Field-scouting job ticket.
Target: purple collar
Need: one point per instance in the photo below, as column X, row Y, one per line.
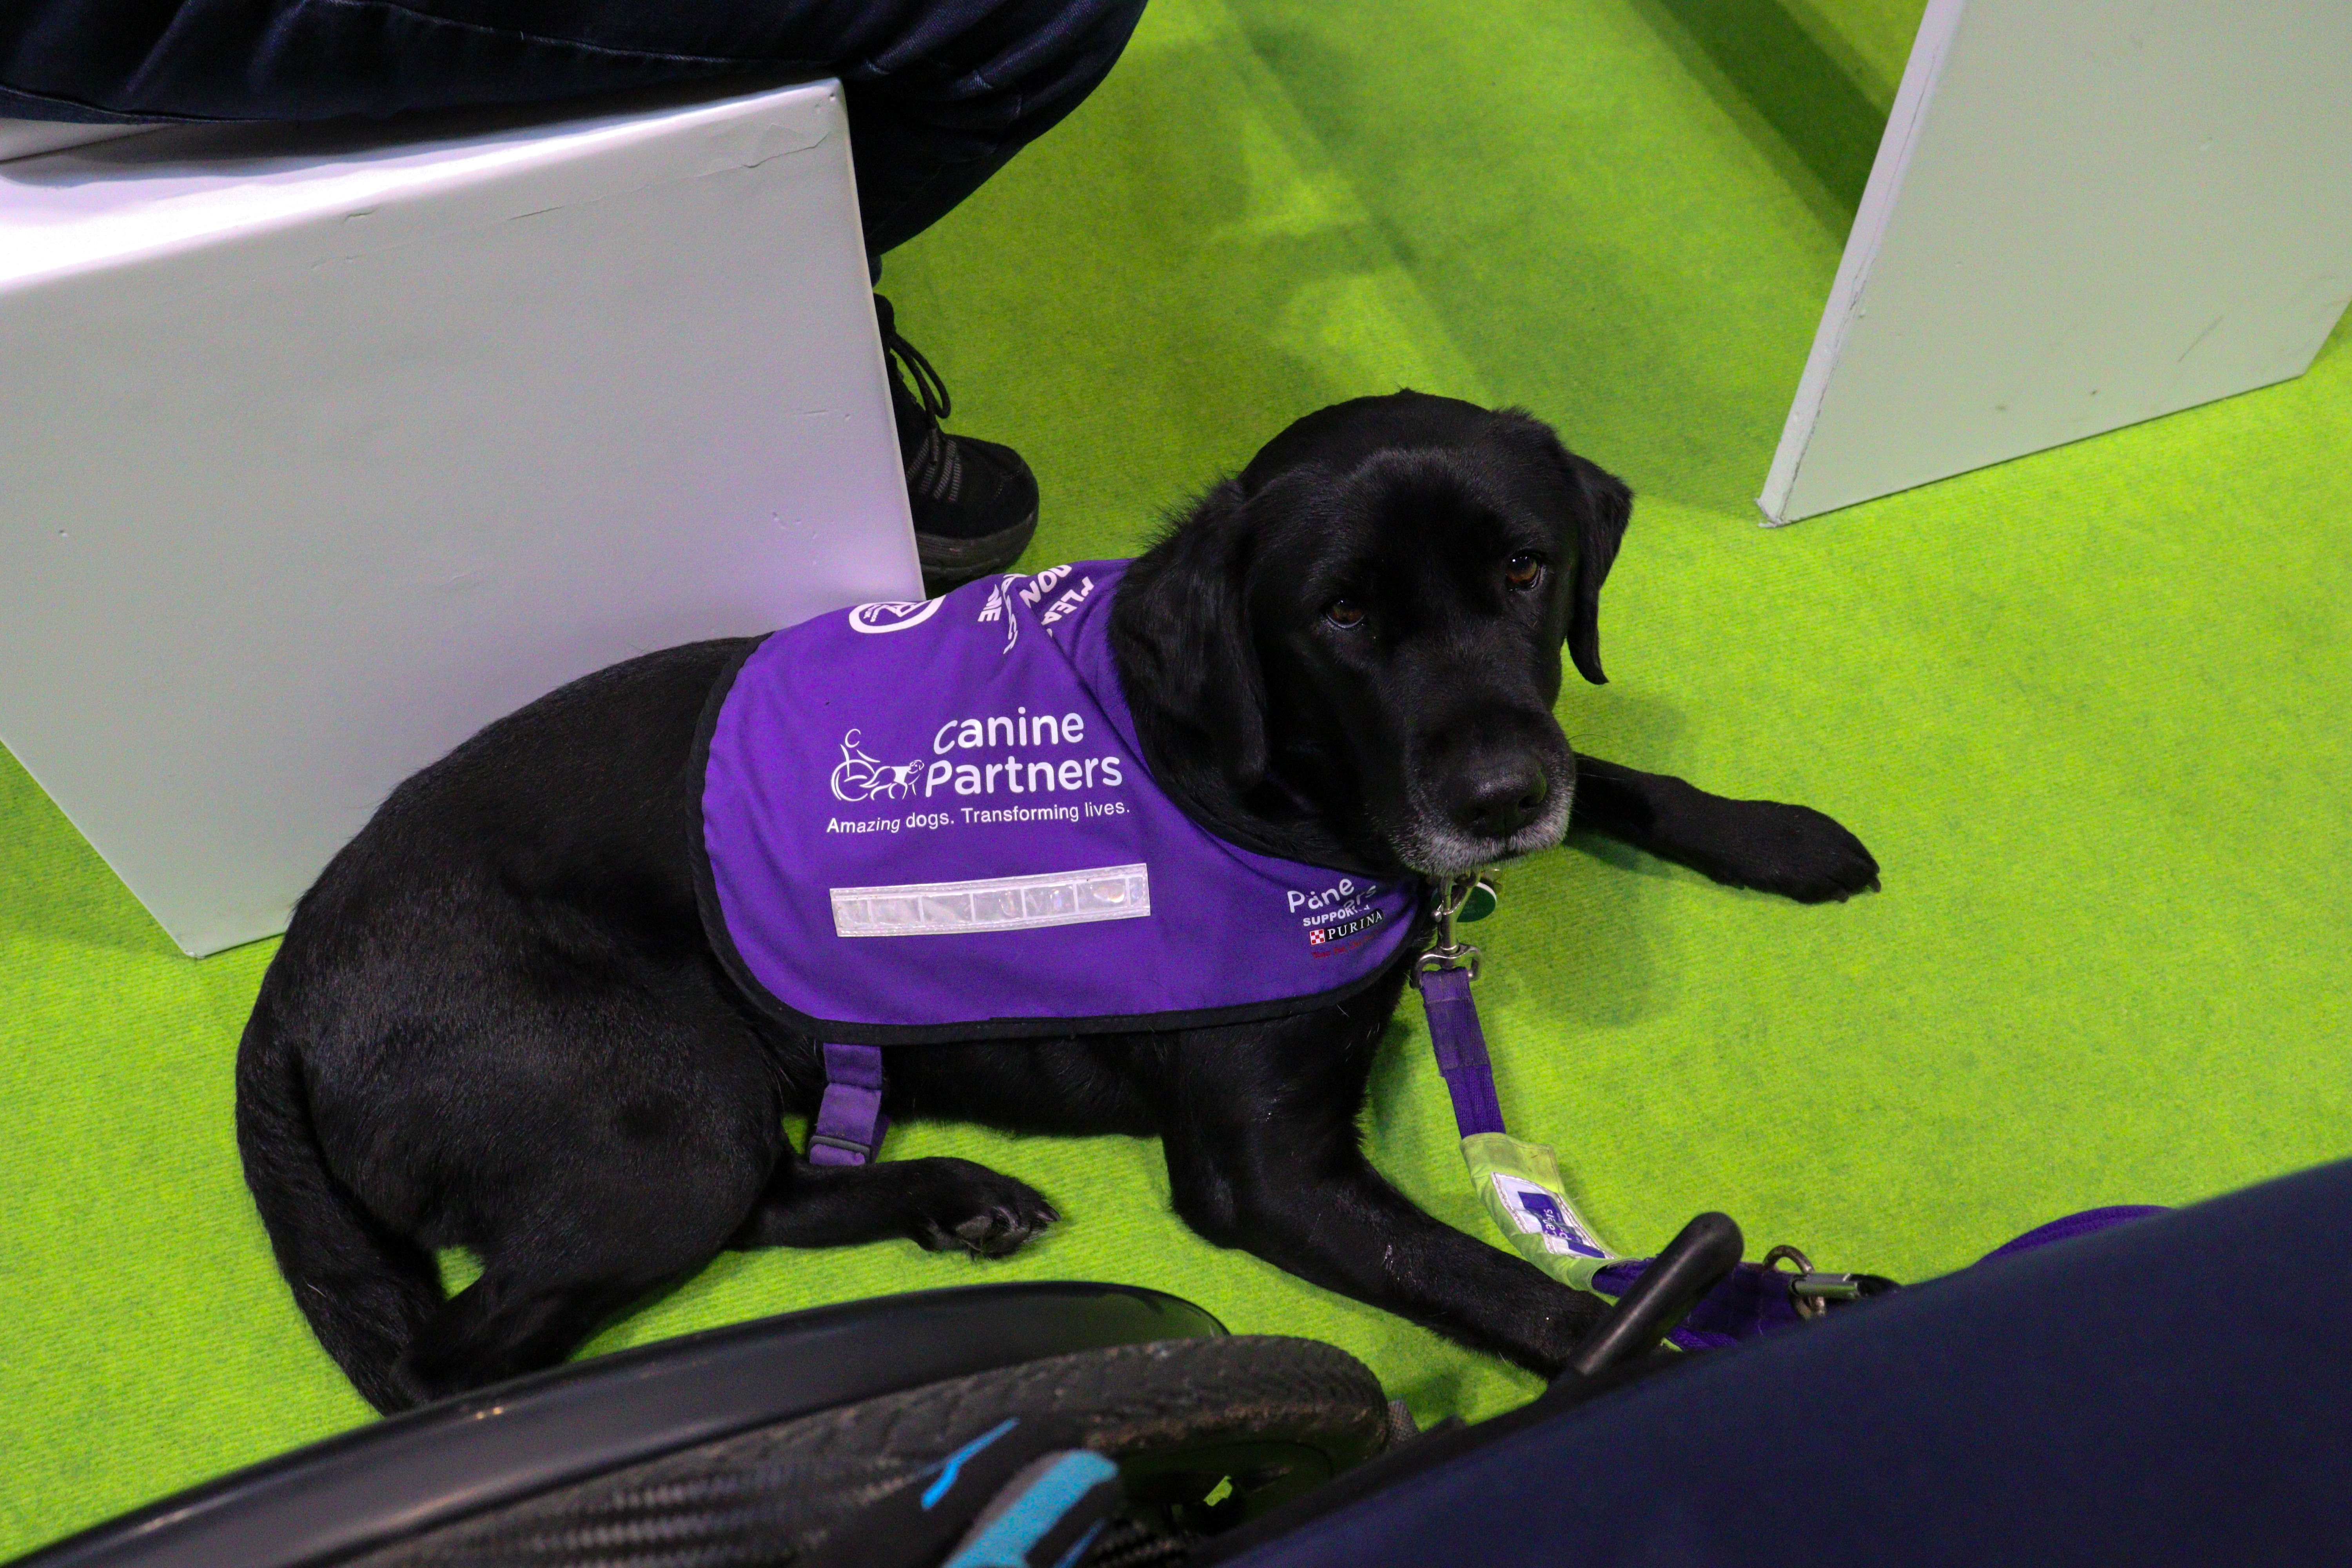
column 930, row 822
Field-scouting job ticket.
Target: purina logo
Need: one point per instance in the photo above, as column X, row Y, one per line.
column 859, row 777
column 892, row 615
column 1333, row 938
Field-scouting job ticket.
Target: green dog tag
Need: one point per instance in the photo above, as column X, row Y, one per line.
column 1479, row 904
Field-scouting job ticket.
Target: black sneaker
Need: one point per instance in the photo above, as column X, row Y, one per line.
column 975, row 502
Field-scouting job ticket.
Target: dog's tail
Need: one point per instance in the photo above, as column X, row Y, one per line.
column 365, row 1289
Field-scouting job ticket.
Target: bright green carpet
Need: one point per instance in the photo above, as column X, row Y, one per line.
column 2085, row 708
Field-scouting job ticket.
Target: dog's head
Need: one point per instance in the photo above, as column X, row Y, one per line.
column 1349, row 652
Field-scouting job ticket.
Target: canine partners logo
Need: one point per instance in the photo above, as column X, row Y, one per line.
column 862, row 778
column 892, row 615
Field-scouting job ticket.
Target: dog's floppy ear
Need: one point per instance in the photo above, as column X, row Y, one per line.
column 1189, row 647
column 1607, row 505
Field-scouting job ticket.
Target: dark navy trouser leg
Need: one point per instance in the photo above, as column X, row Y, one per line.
column 941, row 93
column 2171, row 1391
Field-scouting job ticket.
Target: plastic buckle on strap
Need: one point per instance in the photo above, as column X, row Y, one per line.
column 859, row 1154
column 849, row 1122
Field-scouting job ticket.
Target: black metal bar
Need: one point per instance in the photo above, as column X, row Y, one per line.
column 1698, row 1258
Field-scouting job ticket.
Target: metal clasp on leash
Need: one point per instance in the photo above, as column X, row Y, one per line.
column 1810, row 1292
column 1449, row 950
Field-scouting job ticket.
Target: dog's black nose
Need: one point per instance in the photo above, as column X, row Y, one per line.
column 1501, row 799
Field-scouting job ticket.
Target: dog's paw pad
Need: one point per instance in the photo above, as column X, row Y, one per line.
column 984, row 1213
column 995, row 1233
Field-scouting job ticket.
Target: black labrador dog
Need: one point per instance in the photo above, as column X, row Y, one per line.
column 497, row 1022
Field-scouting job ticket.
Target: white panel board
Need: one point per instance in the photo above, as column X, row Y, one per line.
column 2083, row 214
column 320, row 449
column 28, row 138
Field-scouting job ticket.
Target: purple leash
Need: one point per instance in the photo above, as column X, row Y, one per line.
column 1755, row 1297
column 1461, row 1048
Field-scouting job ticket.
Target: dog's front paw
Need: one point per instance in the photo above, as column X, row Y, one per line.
column 971, row 1206
column 1791, row 850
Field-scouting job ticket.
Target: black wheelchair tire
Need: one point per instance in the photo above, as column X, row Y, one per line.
column 1207, row 1433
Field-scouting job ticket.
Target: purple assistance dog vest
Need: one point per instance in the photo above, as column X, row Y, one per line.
column 930, row 822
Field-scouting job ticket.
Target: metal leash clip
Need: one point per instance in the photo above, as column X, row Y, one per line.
column 1810, row 1292
column 1467, row 891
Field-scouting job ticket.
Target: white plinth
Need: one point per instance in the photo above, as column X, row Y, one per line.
column 320, row 449
column 2082, row 216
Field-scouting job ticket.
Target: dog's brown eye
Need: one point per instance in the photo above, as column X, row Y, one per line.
column 1523, row 571
column 1344, row 613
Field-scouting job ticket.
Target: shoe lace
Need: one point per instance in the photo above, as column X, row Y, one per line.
column 931, row 392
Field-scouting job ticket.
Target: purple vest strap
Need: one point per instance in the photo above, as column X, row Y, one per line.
column 849, row 1120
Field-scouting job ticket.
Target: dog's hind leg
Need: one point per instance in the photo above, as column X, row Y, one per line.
column 503, row 1326
column 577, row 1250
column 939, row 1203
column 593, row 1144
